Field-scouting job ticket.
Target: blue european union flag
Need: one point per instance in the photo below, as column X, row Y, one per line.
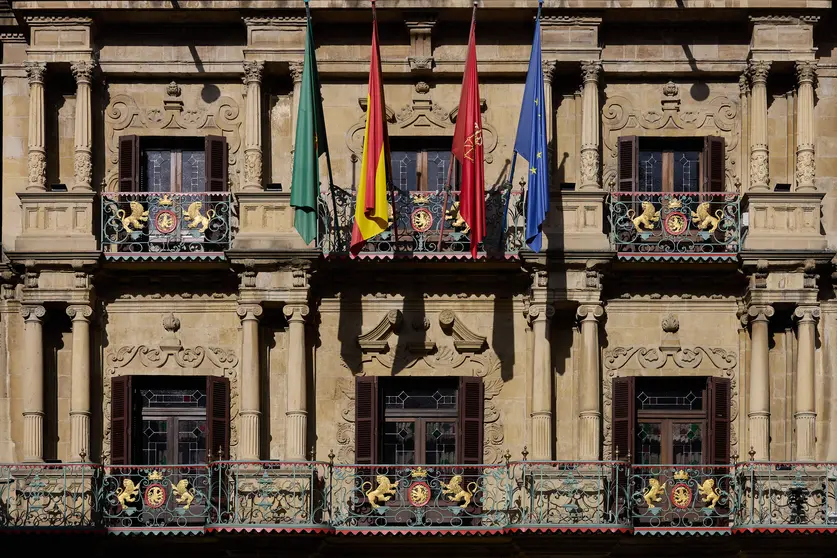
column 531, row 145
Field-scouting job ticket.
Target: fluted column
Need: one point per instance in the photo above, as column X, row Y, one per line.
column 296, row 74
column 539, row 316
column 80, row 382
column 759, row 396
column 250, row 413
column 37, row 148
column 805, row 162
column 759, row 164
column 805, row 415
column 744, row 99
column 33, row 384
column 83, row 158
column 590, row 414
column 590, row 124
column 548, row 74
column 253, row 126
column 296, row 423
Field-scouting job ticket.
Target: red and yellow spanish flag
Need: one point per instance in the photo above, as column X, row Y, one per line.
column 371, row 208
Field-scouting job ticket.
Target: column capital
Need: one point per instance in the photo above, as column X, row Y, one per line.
column 760, row 313
column 83, row 70
column 806, row 72
column 253, row 70
column 548, row 67
column 296, row 69
column 540, row 311
column 759, row 69
column 743, row 84
column 35, row 72
column 33, row 313
column 590, row 71
column 295, row 312
column 589, row 312
column 249, row 311
column 79, row 312
column 807, row 314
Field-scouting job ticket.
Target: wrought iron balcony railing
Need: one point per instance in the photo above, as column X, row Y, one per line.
column 674, row 225
column 424, row 224
column 138, row 225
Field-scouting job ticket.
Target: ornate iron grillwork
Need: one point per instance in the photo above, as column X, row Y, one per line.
column 38, row 496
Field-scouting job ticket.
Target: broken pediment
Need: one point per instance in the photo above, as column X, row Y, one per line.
column 375, row 341
column 464, row 340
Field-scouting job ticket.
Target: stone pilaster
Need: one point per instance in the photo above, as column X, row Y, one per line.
column 253, row 126
column 759, row 164
column 590, row 126
column 759, row 412
column 744, row 99
column 296, row 69
column 80, row 382
column 590, row 413
column 36, row 163
column 33, row 387
column 805, row 414
column 249, row 443
column 805, row 161
column 83, row 158
column 539, row 316
column 296, row 424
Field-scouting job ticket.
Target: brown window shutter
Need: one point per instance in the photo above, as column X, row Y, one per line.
column 471, row 420
column 713, row 162
column 215, row 160
column 129, row 164
column 366, row 420
column 628, row 164
column 624, row 417
column 218, row 417
column 121, row 420
column 719, row 421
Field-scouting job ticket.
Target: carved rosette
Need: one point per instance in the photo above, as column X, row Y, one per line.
column 253, row 70
column 83, row 71
column 35, row 72
column 589, row 165
column 36, row 166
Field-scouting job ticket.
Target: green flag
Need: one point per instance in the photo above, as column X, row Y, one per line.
column 310, row 144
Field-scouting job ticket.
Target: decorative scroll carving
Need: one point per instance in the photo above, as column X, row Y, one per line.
column 464, row 340
column 376, row 339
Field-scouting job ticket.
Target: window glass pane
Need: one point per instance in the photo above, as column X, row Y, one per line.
column 440, row 443
column 404, row 170
column 420, row 398
column 670, row 394
column 648, row 443
column 166, row 398
column 191, row 441
column 400, row 443
column 157, row 171
column 193, row 173
column 686, row 171
column 154, row 442
column 687, row 441
column 650, row 171
column 438, row 163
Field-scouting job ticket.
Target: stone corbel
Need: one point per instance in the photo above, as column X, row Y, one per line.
column 375, row 341
column 464, row 340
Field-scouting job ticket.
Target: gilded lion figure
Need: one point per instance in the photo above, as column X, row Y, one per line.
column 128, row 494
column 133, row 221
column 196, row 220
column 704, row 219
column 183, row 494
column 455, row 493
column 646, row 219
column 710, row 495
column 654, row 492
column 457, row 220
column 382, row 493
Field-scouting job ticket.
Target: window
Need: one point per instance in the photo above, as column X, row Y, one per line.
column 681, row 165
column 672, row 421
column 410, row 421
column 168, row 420
column 184, row 165
column 421, row 168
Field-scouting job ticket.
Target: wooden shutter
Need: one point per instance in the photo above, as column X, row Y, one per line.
column 719, row 424
column 215, row 161
column 121, row 420
column 628, row 164
column 713, row 164
column 470, row 420
column 129, row 164
column 366, row 420
column 624, row 416
column 218, row 417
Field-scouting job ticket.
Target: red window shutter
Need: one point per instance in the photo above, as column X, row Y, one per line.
column 628, row 164
column 624, row 416
column 218, row 417
column 129, row 164
column 471, row 420
column 215, row 161
column 719, row 421
column 714, row 154
column 121, row 420
column 366, row 420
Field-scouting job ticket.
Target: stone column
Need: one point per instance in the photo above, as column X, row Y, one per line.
column 805, row 162
column 759, row 414
column 296, row 424
column 250, row 383
column 548, row 74
column 296, row 73
column 590, row 414
column 590, row 124
column 539, row 316
column 759, row 167
column 83, row 159
column 253, row 126
column 80, row 382
column 33, row 384
column 805, row 415
column 37, row 148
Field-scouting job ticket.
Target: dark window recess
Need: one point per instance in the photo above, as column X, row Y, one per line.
column 422, row 167
column 185, row 165
column 679, row 165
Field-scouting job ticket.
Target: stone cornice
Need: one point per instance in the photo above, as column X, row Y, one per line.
column 58, row 20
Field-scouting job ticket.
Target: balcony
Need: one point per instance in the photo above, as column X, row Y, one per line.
column 666, row 226
column 426, row 225
column 160, row 225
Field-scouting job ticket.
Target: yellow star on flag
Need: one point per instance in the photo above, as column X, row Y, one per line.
column 539, row 154
column 534, row 170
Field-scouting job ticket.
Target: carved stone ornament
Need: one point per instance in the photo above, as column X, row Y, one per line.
column 590, row 71
column 35, row 72
column 375, row 340
column 422, row 88
column 464, row 340
column 253, row 70
column 36, row 167
column 806, row 166
column 670, row 324
column 83, row 168
column 759, row 70
column 759, row 170
column 83, row 70
column 253, row 166
column 296, row 69
column 173, row 90
column 171, row 323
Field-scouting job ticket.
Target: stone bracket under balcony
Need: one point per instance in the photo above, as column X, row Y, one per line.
column 56, row 222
